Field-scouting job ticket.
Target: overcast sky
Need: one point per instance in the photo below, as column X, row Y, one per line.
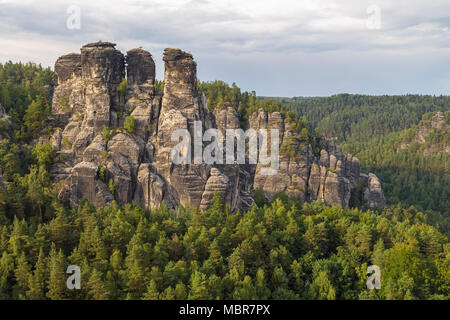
column 276, row 47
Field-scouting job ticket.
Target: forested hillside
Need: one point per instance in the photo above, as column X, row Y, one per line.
column 25, row 94
column 280, row 251
column 374, row 128
column 285, row 249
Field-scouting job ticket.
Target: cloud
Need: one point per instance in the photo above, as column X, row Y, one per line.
column 222, row 32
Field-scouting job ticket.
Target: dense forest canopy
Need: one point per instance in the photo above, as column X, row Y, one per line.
column 373, row 128
column 279, row 251
column 285, row 249
column 25, row 94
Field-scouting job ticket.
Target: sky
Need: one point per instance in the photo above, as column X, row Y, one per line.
column 277, row 48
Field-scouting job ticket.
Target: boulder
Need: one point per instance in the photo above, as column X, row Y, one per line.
column 373, row 193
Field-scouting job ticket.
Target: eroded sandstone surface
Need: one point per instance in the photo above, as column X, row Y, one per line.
column 136, row 166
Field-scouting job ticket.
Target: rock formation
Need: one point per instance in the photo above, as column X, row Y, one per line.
column 436, row 125
column 100, row 160
column 329, row 176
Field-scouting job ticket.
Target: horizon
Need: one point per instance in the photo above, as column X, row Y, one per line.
column 306, row 48
column 275, row 96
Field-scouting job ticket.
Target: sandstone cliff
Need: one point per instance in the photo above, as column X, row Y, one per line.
column 100, row 160
column 437, row 126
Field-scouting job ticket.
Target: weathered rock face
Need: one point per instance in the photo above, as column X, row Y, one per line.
column 140, row 68
column 142, row 104
column 373, row 193
column 98, row 159
column 102, row 68
column 217, row 182
column 180, row 108
column 68, row 95
column 329, row 176
column 437, row 123
column 84, row 183
column 227, row 118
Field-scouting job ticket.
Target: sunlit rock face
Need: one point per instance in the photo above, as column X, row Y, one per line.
column 100, row 160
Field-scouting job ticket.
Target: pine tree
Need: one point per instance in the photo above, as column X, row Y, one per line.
column 198, row 289
column 322, row 288
column 96, row 287
column 152, row 292
column 57, row 287
column 180, row 291
column 262, row 291
column 22, row 274
column 37, row 281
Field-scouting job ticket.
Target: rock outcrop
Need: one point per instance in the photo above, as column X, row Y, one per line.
column 329, row 175
column 437, row 125
column 373, row 194
column 97, row 158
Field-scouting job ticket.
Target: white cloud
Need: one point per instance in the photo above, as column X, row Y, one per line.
column 233, row 28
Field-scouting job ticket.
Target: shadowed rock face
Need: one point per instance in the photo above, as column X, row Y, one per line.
column 68, row 66
column 68, row 94
column 140, row 68
column 137, row 166
column 330, row 176
column 373, row 193
column 103, row 68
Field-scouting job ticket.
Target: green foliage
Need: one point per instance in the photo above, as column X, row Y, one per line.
column 357, row 196
column 285, row 249
column 159, row 86
column 130, row 124
column 20, row 84
column 14, row 159
column 103, row 174
column 66, row 143
column 220, row 95
column 380, row 131
column 260, row 197
column 122, row 89
column 25, row 91
column 111, row 186
column 104, row 156
column 38, row 186
column 106, row 133
column 36, row 115
column 64, row 103
column 44, row 154
column 79, row 117
column 279, row 251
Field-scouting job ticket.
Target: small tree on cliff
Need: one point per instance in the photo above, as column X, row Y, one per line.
column 122, row 89
column 129, row 124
